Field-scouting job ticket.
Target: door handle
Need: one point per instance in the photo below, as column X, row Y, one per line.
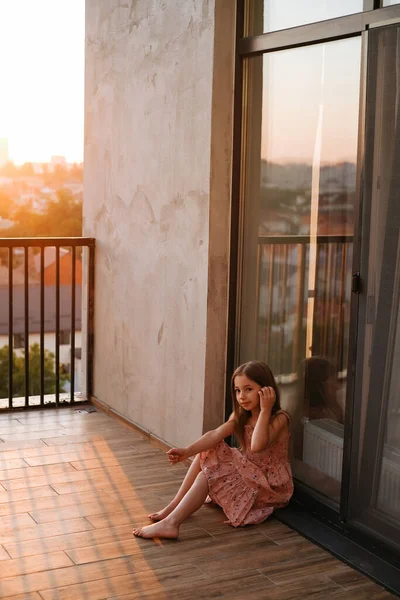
column 356, row 283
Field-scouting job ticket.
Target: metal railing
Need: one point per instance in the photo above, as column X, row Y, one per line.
column 284, row 296
column 18, row 255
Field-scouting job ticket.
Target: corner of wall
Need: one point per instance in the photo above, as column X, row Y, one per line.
column 220, row 213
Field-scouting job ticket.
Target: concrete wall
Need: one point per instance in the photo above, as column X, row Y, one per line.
column 148, row 132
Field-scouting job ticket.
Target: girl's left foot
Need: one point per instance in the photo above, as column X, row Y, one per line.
column 162, row 514
column 163, row 529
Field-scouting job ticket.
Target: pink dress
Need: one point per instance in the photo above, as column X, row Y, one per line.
column 249, row 486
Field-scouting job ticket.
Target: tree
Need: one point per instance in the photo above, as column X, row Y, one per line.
column 27, row 170
column 28, row 223
column 76, row 171
column 6, row 205
column 63, row 218
column 34, row 373
column 65, row 214
column 9, row 169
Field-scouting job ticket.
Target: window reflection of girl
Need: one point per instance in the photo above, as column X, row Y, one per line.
column 320, row 389
column 317, row 399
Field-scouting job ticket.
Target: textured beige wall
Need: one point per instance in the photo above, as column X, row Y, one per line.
column 149, row 82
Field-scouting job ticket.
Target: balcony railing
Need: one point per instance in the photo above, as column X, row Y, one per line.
column 48, row 294
column 288, row 330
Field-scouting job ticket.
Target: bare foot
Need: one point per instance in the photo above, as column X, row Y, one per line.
column 163, row 529
column 159, row 516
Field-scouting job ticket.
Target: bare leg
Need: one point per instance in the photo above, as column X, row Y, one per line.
column 169, row 527
column 187, row 483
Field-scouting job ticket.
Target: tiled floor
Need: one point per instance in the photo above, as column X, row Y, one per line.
column 73, row 485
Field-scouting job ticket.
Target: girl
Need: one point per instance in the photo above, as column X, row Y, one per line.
column 248, row 484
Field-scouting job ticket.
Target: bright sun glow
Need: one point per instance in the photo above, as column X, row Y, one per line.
column 42, row 78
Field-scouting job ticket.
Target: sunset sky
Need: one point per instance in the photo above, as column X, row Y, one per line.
column 280, row 14
column 42, row 82
column 297, row 85
column 42, row 78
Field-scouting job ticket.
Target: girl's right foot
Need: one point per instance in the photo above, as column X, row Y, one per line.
column 158, row 530
column 159, row 516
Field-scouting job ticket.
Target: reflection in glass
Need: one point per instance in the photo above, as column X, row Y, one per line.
column 272, row 15
column 389, row 481
column 320, row 389
column 301, row 135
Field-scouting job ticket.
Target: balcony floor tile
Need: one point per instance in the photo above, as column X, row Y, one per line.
column 74, row 488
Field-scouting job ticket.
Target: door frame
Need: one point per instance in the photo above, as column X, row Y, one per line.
column 333, row 29
column 369, row 457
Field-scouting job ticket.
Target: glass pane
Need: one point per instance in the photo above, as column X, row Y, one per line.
column 389, row 481
column 377, row 499
column 301, row 132
column 271, row 15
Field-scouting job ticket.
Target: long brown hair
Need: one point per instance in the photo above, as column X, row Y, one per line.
column 261, row 374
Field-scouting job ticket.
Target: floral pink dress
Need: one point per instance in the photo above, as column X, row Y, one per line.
column 249, row 486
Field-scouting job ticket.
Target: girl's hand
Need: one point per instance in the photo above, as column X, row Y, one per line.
column 176, row 455
column 267, row 398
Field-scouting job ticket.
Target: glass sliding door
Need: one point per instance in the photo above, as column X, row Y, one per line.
column 273, row 15
column 298, row 191
column 375, row 478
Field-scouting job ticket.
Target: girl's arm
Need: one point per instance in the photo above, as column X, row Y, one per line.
column 266, row 432
column 207, row 441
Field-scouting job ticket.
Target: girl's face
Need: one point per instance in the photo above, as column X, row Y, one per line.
column 331, row 388
column 246, row 392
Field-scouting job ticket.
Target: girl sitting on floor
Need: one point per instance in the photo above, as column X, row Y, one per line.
column 247, row 483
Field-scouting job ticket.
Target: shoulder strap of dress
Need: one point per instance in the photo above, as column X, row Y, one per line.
column 284, row 412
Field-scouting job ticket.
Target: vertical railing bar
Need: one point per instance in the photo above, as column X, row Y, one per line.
column 10, row 327
column 270, row 302
column 57, row 340
column 339, row 337
column 299, row 307
column 274, row 360
column 284, row 252
column 257, row 315
column 42, row 248
column 328, row 286
column 331, row 322
column 327, row 322
column 323, row 297
column 73, row 259
column 266, row 268
column 26, row 322
column 90, row 324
